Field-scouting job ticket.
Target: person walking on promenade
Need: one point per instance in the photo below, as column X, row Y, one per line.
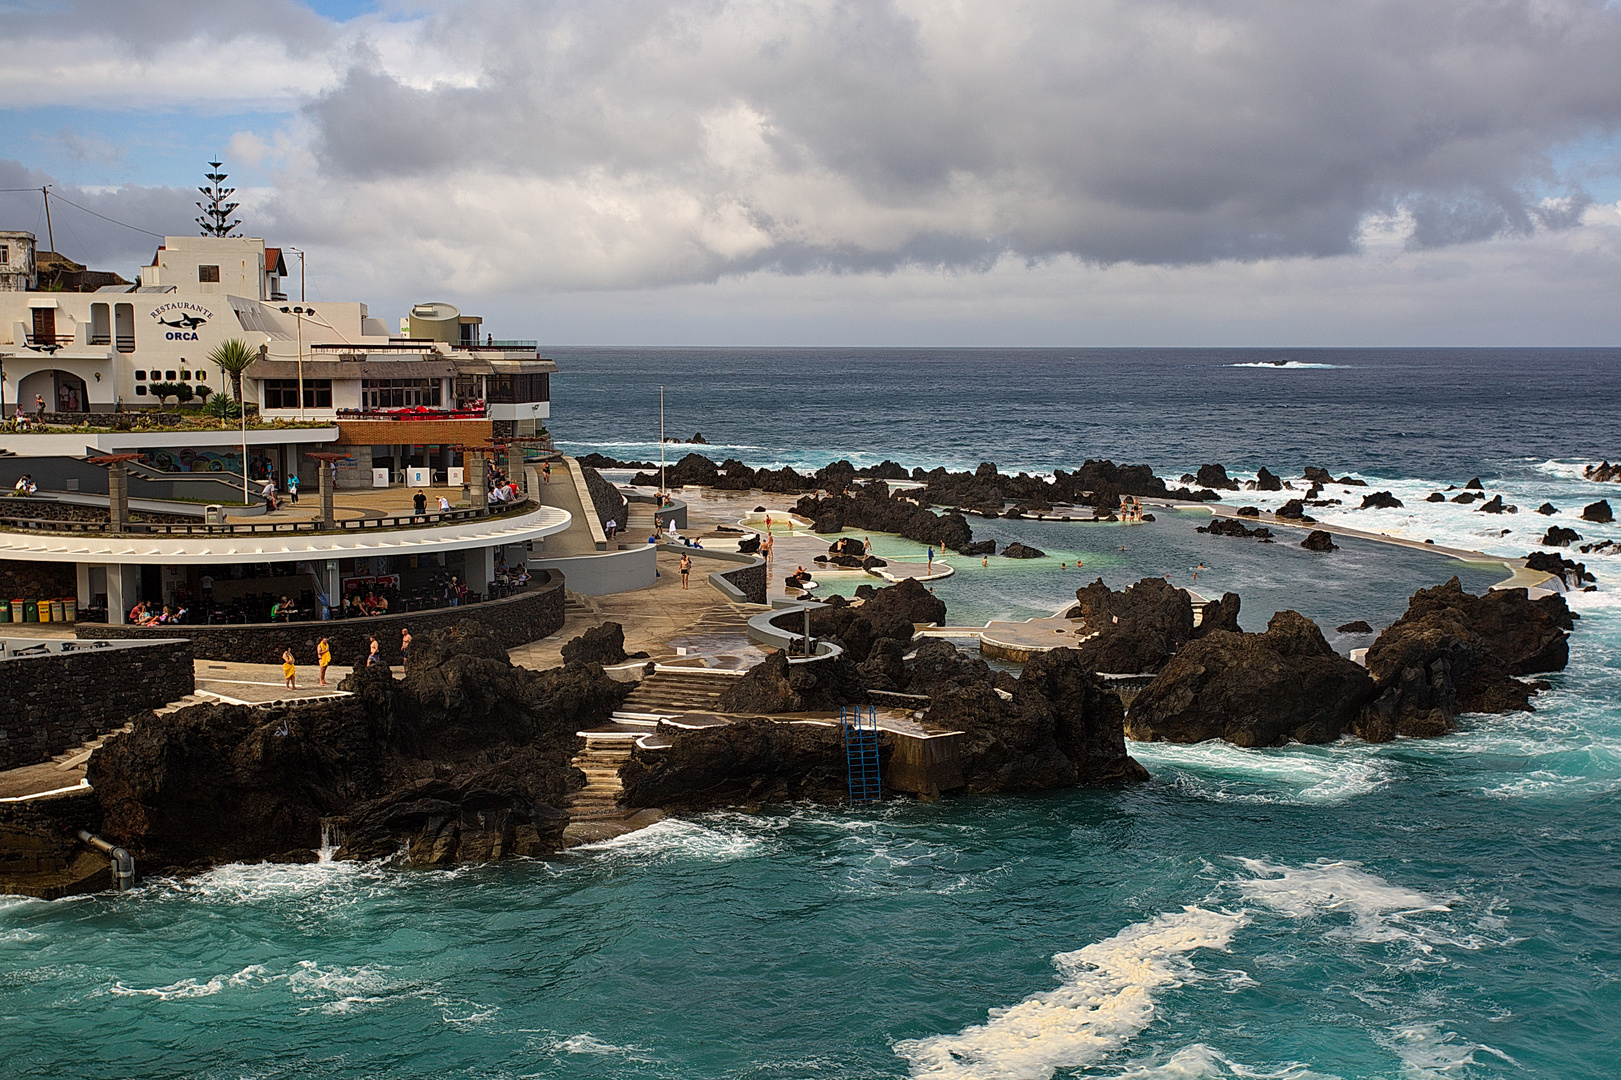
column 420, row 501
column 373, row 655
column 289, row 670
column 686, row 569
column 405, row 645
column 931, row 560
column 545, row 472
column 292, row 489
column 323, row 657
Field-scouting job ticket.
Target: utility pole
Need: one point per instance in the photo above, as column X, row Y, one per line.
column 50, row 233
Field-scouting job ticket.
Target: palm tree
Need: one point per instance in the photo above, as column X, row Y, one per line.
column 233, row 356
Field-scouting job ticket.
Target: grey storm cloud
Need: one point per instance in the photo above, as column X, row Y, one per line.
column 884, row 134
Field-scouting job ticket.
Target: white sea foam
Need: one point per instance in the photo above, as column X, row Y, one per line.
column 683, row 838
column 1106, row 997
column 1287, row 365
column 253, row 974
column 1198, row 1061
column 1377, row 907
column 1294, row 775
column 586, row 1043
column 1429, row 1053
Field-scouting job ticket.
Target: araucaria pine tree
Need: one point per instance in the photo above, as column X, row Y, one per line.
column 216, row 219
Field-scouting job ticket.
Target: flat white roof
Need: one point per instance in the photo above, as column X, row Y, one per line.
column 280, row 547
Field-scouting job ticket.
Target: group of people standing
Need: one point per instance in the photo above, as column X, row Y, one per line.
column 323, row 658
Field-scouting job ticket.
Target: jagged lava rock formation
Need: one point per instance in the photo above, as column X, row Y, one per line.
column 464, row 757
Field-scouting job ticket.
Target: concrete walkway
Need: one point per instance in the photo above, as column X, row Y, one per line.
column 561, row 493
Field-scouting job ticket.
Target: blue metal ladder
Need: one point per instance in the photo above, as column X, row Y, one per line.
column 860, row 726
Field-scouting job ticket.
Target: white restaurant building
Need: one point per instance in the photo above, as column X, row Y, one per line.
column 389, row 398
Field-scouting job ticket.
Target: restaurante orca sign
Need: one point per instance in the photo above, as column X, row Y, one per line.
column 182, row 318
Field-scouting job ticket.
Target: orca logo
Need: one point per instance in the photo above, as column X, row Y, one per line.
column 184, row 319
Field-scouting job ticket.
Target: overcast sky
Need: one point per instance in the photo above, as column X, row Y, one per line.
column 818, row 172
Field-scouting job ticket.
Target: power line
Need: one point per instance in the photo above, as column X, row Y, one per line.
column 86, row 209
column 104, row 217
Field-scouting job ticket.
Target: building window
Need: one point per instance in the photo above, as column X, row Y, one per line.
column 140, row 391
column 5, row 253
column 399, row 393
column 208, row 273
column 140, row 375
column 283, row 393
column 169, row 375
column 185, row 376
column 513, row 389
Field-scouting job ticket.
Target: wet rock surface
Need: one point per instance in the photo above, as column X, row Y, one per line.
column 1265, row 689
column 1558, row 536
column 1017, row 550
column 1234, row 527
column 1137, row 629
column 220, row 783
column 1453, row 652
column 1380, row 500
column 1360, row 626
column 1318, row 540
column 1599, row 512
column 776, row 686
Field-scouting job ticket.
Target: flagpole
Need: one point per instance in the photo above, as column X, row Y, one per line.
column 663, row 486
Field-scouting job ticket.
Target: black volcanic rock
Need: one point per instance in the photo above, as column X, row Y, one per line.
column 1599, row 512
column 1453, row 652
column 978, row 547
column 1547, row 509
column 1357, row 627
column 1213, row 476
column 1219, row 615
column 1466, row 497
column 1474, row 485
column 1318, row 476
column 751, row 760
column 872, row 508
column 1267, row 480
column 1017, row 550
column 1494, row 505
column 1558, row 536
column 1571, row 574
column 1436, row 496
column 776, row 686
column 1293, row 510
column 1137, row 629
column 1249, row 511
column 1318, row 540
column 1380, row 500
column 221, row 783
column 603, row 644
column 1253, row 689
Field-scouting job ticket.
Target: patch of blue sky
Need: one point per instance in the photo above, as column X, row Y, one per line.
column 1593, row 164
column 111, row 148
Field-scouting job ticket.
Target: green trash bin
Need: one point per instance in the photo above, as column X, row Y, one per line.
column 30, row 611
column 5, row 611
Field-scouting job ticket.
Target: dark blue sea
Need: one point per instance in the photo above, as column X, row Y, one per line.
column 1445, row 908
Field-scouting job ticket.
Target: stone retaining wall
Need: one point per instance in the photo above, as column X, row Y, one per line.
column 52, row 703
column 750, row 580
column 535, row 613
column 32, row 580
column 605, row 498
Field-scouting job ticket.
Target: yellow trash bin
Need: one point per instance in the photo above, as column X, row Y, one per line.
column 44, row 608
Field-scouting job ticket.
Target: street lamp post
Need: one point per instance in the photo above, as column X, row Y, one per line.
column 299, row 313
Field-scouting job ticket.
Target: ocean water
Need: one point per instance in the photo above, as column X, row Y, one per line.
column 1443, row 908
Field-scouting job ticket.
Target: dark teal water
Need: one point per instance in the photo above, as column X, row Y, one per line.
column 1443, row 908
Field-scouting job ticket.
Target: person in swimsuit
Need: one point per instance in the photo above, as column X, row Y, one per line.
column 686, row 569
column 288, row 670
column 405, row 645
column 323, row 656
column 373, row 655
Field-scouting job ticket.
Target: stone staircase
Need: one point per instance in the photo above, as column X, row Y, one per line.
column 672, row 692
column 600, row 761
column 69, row 760
column 575, row 604
column 638, row 525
